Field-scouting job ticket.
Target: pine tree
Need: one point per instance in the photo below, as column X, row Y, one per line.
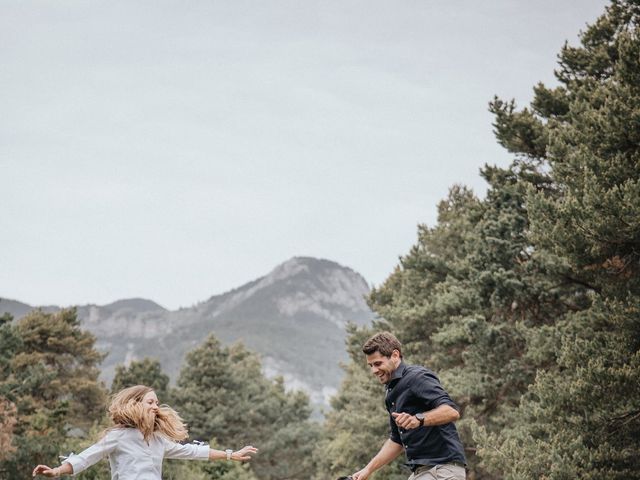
column 581, row 419
column 147, row 372
column 224, row 396
column 52, row 379
column 9, row 345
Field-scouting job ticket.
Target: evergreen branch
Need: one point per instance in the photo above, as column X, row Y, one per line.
column 622, row 421
column 582, row 282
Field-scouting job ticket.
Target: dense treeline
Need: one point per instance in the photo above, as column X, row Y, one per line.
column 52, row 403
column 48, row 383
column 526, row 302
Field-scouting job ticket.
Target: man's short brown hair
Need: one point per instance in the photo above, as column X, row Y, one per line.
column 383, row 342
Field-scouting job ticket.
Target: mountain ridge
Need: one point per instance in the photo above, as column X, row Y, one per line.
column 294, row 317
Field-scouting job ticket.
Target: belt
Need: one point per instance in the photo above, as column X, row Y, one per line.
column 415, row 468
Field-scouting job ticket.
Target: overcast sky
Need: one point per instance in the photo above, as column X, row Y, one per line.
column 174, row 150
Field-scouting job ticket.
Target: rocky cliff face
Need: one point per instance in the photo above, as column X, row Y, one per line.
column 294, row 317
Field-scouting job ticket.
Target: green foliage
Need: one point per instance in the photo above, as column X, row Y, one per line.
column 581, row 417
column 225, row 398
column 594, row 155
column 143, row 372
column 10, row 344
column 226, row 471
column 48, row 370
column 197, row 470
column 7, row 423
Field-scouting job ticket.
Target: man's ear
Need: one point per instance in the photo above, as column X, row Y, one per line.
column 395, row 354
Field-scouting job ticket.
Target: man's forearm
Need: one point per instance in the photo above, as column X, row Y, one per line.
column 389, row 452
column 441, row 415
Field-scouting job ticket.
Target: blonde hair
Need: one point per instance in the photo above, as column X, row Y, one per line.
column 127, row 411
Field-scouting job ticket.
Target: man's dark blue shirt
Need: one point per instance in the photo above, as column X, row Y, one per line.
column 415, row 389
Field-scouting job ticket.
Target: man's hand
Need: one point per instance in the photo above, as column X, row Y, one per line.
column 389, row 451
column 406, row 420
column 244, row 454
column 361, row 475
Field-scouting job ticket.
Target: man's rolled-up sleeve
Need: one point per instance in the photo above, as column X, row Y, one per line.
column 428, row 389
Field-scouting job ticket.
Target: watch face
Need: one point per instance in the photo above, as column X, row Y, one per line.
column 420, row 416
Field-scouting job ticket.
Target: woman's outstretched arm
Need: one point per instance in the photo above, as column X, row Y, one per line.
column 75, row 464
column 64, row 469
column 202, row 451
column 241, row 455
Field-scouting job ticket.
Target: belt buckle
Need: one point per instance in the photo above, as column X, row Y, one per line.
column 422, row 467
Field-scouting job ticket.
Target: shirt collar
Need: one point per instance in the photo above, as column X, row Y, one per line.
column 397, row 373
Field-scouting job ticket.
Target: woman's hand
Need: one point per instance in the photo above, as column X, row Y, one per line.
column 244, row 454
column 46, row 471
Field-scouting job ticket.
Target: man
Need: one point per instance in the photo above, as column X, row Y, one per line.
column 421, row 416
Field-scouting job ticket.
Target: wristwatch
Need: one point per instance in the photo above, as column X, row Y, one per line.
column 229, row 452
column 420, row 417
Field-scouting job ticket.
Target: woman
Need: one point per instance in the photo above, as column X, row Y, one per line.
column 142, row 435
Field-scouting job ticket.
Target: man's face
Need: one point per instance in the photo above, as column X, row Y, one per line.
column 383, row 367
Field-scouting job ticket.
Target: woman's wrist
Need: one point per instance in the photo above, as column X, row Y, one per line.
column 217, row 454
column 64, row 469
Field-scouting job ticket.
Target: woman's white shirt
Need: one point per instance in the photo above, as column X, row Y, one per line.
column 131, row 457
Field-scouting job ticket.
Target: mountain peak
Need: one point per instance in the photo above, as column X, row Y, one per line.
column 135, row 304
column 296, row 265
column 290, row 268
